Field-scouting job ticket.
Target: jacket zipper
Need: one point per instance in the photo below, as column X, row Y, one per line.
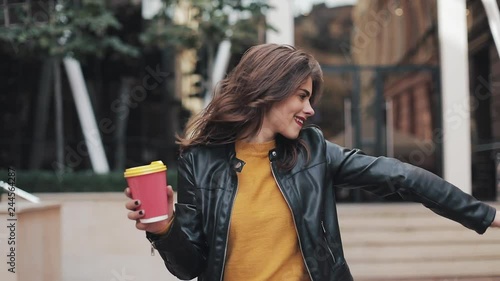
column 294, row 223
column 153, row 246
column 228, row 227
column 326, row 241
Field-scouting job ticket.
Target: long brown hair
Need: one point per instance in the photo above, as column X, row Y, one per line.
column 265, row 75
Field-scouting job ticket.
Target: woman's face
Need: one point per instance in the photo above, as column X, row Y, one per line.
column 288, row 116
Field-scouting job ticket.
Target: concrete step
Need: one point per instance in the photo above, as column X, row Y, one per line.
column 401, row 241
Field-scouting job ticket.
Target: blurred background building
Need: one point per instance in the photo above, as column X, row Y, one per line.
column 147, row 74
column 148, row 66
column 385, row 91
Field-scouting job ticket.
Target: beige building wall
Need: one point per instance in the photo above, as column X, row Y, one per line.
column 37, row 236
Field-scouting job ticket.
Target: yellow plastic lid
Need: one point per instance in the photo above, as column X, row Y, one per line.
column 155, row 166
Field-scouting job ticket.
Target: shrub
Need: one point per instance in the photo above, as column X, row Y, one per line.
column 84, row 181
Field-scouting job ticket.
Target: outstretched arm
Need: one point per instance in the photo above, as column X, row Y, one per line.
column 384, row 176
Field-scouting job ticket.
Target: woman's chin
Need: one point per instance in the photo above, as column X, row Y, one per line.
column 292, row 136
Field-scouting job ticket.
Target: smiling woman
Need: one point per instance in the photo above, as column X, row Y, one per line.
column 260, row 99
column 288, row 116
column 256, row 188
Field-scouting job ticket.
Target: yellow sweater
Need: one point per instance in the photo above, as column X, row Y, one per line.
column 263, row 242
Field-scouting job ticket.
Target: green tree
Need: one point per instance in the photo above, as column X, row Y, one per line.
column 214, row 24
column 210, row 24
column 86, row 29
column 239, row 21
column 69, row 30
column 78, row 29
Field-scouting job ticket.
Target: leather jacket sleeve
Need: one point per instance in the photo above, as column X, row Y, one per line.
column 183, row 247
column 383, row 176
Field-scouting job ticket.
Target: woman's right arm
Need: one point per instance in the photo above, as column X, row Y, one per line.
column 183, row 246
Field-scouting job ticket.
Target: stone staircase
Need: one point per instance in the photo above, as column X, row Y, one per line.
column 409, row 242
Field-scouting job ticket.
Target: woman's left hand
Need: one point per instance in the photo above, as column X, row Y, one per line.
column 496, row 221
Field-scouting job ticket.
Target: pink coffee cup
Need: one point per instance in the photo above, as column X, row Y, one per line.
column 149, row 185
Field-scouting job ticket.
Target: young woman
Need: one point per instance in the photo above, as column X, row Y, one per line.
column 256, row 189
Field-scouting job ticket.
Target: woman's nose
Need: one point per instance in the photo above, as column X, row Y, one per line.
column 308, row 110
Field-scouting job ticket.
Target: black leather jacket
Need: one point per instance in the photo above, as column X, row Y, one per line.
column 196, row 244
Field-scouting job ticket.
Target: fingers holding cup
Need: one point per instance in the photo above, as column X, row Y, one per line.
column 148, row 185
